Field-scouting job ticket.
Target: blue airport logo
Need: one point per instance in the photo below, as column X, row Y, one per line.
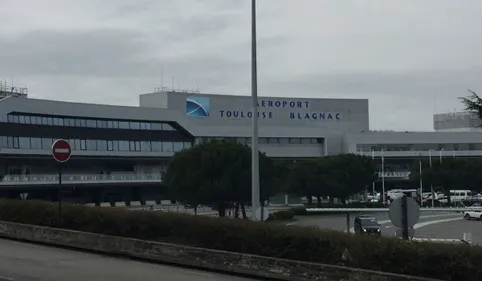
column 197, row 106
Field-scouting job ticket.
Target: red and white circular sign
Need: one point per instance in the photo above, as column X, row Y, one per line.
column 61, row 151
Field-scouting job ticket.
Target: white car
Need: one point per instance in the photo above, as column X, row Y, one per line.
column 474, row 214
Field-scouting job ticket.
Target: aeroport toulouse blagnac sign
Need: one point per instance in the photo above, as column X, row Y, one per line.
column 198, row 106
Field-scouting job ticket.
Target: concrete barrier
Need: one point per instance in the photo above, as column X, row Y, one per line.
column 227, row 262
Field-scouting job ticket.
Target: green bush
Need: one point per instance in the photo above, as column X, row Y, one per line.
column 446, row 262
column 281, row 215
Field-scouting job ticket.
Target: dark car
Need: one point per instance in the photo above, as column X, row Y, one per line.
column 367, row 225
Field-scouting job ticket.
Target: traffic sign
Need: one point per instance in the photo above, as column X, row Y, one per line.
column 396, row 212
column 23, row 196
column 264, row 211
column 61, row 151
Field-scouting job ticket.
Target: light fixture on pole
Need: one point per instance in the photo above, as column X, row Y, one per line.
column 255, row 196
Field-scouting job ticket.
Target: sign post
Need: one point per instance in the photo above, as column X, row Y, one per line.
column 404, row 213
column 61, row 152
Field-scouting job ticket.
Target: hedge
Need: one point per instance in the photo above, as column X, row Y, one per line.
column 442, row 261
column 282, row 215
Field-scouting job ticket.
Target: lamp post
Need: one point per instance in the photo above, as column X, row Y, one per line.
column 255, row 196
column 383, row 178
column 431, row 185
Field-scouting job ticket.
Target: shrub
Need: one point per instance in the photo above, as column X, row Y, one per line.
column 446, row 262
column 281, row 215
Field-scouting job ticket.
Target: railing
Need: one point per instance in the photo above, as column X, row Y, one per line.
column 79, row 179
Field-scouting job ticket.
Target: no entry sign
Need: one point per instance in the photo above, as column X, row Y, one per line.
column 61, row 151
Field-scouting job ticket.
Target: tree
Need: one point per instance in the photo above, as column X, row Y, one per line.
column 473, row 104
column 337, row 176
column 351, row 173
column 451, row 174
column 218, row 173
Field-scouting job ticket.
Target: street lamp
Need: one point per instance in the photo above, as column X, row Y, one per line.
column 255, row 198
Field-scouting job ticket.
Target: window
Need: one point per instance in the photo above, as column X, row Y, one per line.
column 145, row 146
column 123, row 125
column 33, row 120
column 102, row 145
column 187, row 145
column 135, row 125
column 83, row 145
column 167, row 146
column 10, row 118
column 3, row 142
column 90, row 123
column 101, row 124
column 156, row 126
column 47, row 143
column 123, row 145
column 178, row 146
column 56, row 121
column 12, row 142
column 72, row 144
column 156, row 146
column 110, row 145
column 91, row 145
column 24, row 143
column 21, row 119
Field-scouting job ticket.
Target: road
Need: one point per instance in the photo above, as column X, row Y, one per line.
column 431, row 225
column 30, row 262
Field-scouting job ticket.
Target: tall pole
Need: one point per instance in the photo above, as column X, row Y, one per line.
column 373, row 183
column 421, row 181
column 383, row 178
column 431, row 185
column 255, row 200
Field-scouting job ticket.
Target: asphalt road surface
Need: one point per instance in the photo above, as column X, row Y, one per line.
column 431, row 225
column 30, row 262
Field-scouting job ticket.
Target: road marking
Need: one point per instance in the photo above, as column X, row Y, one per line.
column 2, row 278
column 423, row 224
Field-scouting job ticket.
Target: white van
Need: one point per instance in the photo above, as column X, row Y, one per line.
column 460, row 195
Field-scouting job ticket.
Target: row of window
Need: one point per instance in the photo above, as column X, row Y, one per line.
column 273, row 140
column 87, row 123
column 94, row 145
column 421, row 147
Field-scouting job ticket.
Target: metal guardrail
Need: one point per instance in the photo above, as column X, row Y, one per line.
column 78, row 179
column 381, row 210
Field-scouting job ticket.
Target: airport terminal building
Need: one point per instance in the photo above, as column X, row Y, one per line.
column 119, row 152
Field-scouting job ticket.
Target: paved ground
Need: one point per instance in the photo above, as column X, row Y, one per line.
column 431, row 225
column 29, row 262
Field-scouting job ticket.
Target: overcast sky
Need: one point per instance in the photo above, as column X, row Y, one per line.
column 410, row 58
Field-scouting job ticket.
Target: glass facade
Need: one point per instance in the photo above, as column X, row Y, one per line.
column 94, row 145
column 87, row 122
column 421, row 147
column 273, row 140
